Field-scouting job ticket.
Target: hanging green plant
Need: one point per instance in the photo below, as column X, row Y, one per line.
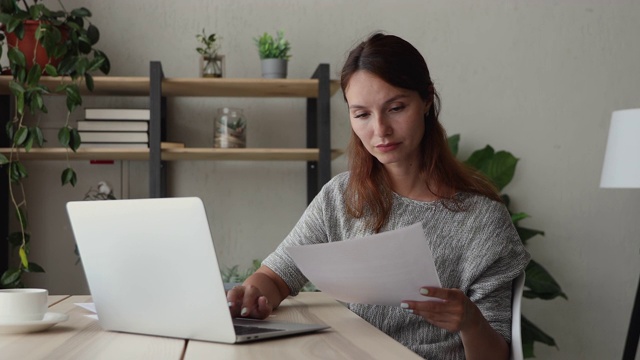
column 41, row 42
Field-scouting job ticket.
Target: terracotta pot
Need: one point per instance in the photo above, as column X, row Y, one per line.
column 28, row 43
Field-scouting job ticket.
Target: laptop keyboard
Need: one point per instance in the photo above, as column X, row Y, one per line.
column 249, row 330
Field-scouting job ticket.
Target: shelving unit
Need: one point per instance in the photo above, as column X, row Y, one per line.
column 318, row 154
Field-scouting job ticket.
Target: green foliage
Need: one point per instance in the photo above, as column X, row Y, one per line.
column 234, row 275
column 210, row 46
column 273, row 48
column 500, row 168
column 69, row 37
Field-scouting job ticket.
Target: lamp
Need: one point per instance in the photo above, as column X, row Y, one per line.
column 621, row 169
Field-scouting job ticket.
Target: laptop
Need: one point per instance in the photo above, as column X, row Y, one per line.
column 152, row 269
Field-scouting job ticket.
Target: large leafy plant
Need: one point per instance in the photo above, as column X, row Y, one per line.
column 500, row 167
column 68, row 37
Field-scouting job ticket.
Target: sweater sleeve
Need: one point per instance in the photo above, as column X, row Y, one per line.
column 310, row 229
column 491, row 290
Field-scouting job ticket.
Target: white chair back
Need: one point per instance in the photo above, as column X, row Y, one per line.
column 516, row 302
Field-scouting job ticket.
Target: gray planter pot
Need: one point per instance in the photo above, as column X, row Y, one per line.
column 274, row 68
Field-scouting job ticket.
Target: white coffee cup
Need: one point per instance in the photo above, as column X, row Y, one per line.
column 18, row 305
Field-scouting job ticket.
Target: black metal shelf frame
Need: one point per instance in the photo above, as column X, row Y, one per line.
column 318, row 131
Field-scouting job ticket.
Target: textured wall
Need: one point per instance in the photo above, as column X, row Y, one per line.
column 539, row 79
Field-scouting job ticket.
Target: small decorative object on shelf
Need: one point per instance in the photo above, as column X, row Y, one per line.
column 230, row 129
column 211, row 61
column 274, row 53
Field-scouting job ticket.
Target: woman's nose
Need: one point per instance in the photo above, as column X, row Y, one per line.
column 381, row 126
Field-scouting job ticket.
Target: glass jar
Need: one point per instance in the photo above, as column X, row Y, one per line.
column 230, row 128
column 212, row 66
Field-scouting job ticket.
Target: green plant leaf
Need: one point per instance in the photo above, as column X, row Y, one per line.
column 34, row 75
column 88, row 80
column 37, row 102
column 93, row 34
column 35, row 11
column 68, row 177
column 64, row 136
column 20, row 103
column 16, row 88
column 50, row 70
column 37, row 134
column 23, row 257
column 15, row 239
column 454, row 142
column 105, row 68
column 17, row 171
column 81, row 12
column 501, row 168
column 73, row 97
column 530, row 334
column 10, row 278
column 3, row 159
column 480, row 158
column 526, row 233
column 518, row 216
column 75, row 141
column 540, row 284
column 33, row 268
column 84, row 45
column 67, row 65
column 17, row 57
column 29, row 143
column 9, row 129
column 21, row 136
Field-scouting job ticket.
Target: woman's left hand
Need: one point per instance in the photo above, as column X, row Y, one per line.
column 455, row 312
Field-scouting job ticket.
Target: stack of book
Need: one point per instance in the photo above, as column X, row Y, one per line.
column 115, row 128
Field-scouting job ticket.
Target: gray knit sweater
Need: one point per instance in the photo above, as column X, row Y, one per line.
column 477, row 251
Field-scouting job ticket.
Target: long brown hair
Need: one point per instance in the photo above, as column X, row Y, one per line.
column 368, row 192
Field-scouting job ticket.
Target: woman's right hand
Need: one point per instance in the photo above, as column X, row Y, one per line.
column 247, row 301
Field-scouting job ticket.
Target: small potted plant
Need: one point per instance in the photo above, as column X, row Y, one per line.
column 42, row 41
column 211, row 60
column 274, row 54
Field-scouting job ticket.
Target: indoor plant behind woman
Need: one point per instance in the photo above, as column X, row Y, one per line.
column 42, row 41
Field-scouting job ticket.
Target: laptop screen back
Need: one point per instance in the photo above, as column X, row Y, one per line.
column 152, row 268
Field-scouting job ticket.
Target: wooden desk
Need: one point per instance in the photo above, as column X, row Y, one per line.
column 80, row 337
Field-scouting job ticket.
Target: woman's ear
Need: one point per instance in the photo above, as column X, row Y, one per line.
column 427, row 107
column 429, row 102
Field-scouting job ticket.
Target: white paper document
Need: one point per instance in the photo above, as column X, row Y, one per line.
column 91, row 307
column 381, row 269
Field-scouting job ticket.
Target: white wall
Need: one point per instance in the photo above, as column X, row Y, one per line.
column 539, row 79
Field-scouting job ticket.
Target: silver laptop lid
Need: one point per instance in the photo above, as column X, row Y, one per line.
column 152, row 268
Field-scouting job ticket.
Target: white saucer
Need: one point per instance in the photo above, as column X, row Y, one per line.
column 23, row 327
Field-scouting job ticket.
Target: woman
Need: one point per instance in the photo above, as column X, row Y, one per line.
column 402, row 172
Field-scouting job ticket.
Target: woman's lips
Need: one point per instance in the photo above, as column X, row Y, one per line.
column 387, row 147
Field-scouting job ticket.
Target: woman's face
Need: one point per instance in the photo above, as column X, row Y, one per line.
column 388, row 120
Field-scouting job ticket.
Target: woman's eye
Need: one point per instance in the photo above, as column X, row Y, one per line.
column 360, row 115
column 396, row 108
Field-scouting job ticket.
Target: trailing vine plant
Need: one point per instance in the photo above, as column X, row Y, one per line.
column 68, row 37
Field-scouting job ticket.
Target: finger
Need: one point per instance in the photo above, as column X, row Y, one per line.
column 234, row 300
column 439, row 293
column 250, row 301
column 262, row 309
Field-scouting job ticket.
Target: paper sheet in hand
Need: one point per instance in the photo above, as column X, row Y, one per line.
column 381, row 269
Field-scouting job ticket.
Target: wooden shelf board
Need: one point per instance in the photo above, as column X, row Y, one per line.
column 176, row 154
column 192, row 87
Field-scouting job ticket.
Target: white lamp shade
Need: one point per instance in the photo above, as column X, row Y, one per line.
column 621, row 167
